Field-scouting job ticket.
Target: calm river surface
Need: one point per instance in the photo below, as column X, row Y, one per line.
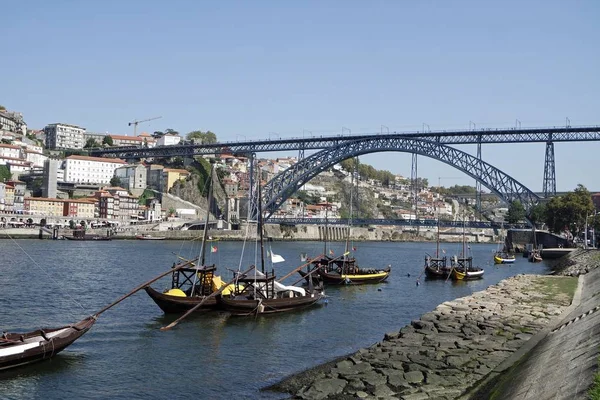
column 210, row 356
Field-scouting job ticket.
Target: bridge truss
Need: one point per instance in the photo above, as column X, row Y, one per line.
column 282, row 186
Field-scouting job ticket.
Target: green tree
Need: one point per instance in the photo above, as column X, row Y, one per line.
column 537, row 213
column 115, row 181
column 71, row 224
column 107, row 140
column 207, row 137
column 348, row 164
column 2, row 108
column 91, row 142
column 569, row 211
column 171, row 132
column 516, row 212
column 5, row 174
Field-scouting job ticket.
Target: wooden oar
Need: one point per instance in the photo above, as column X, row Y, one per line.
column 216, row 292
column 297, row 269
column 143, row 285
column 308, row 274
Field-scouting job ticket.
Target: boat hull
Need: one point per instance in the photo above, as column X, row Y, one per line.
column 244, row 307
column 22, row 349
column 175, row 304
column 499, row 260
column 467, row 276
column 435, row 273
column 335, row 278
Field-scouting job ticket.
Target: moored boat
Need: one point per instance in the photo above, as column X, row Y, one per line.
column 189, row 287
column 256, row 293
column 437, row 268
column 192, row 282
column 501, row 257
column 18, row 349
column 463, row 269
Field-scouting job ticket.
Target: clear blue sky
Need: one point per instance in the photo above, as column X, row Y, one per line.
column 244, row 69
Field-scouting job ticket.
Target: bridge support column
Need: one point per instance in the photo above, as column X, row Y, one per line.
column 477, row 183
column 549, row 186
column 415, row 183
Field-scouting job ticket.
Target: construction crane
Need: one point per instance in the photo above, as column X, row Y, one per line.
column 136, row 122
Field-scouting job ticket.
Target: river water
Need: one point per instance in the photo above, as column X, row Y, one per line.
column 210, row 356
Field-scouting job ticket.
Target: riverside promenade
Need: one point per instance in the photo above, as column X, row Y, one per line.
column 524, row 338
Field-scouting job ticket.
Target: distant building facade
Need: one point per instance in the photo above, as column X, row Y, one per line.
column 64, row 136
column 77, row 208
column 133, row 178
column 91, row 170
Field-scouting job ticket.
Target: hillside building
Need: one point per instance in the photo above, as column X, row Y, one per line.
column 64, row 136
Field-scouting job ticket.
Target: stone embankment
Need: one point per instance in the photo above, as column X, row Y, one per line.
column 445, row 352
column 577, row 263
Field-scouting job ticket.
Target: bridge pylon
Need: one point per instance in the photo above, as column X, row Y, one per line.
column 549, row 187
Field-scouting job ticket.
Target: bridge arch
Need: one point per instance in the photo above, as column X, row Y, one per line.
column 286, row 183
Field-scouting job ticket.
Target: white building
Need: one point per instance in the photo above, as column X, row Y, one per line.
column 92, row 170
column 36, row 159
column 168, row 139
column 10, row 151
column 64, row 136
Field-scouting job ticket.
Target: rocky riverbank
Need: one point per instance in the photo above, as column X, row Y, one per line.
column 445, row 352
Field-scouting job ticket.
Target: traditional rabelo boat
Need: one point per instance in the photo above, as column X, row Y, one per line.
column 259, row 293
column 256, row 292
column 18, row 349
column 462, row 267
column 437, row 267
column 79, row 234
column 502, row 257
column 192, row 283
column 342, row 270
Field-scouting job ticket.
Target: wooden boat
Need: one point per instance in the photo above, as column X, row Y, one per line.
column 18, row 349
column 149, row 237
column 189, row 286
column 501, row 257
column 79, row 234
column 192, row 285
column 257, row 293
column 534, row 256
column 463, row 269
column 348, row 274
column 342, row 270
column 437, row 268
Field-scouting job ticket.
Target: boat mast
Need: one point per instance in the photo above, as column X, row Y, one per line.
column 350, row 219
column 437, row 250
column 325, row 236
column 205, row 234
column 260, row 230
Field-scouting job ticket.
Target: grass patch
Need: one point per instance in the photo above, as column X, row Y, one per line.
column 594, row 391
column 556, row 289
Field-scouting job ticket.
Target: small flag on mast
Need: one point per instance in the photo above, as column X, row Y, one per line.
column 213, row 249
column 330, row 252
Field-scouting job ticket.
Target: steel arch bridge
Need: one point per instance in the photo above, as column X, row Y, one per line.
column 283, row 185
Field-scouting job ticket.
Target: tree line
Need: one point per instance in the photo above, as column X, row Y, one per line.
column 561, row 213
